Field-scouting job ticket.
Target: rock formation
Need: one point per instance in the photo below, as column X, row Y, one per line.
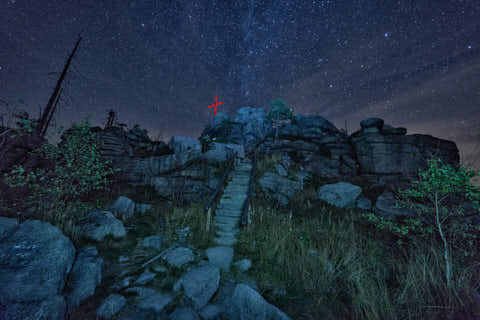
column 377, row 154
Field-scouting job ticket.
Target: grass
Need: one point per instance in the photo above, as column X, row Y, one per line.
column 331, row 264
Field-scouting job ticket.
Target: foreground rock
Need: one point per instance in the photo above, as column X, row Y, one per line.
column 247, row 304
column 101, row 224
column 86, row 275
column 35, row 261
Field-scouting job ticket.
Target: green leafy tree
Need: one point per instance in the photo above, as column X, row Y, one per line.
column 78, row 172
column 279, row 111
column 435, row 185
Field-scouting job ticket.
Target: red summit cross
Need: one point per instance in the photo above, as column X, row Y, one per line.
column 215, row 105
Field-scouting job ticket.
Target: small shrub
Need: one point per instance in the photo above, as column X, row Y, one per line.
column 78, row 173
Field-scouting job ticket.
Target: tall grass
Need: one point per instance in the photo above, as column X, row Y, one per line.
column 351, row 275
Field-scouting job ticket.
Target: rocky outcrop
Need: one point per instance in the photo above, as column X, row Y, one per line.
column 383, row 150
column 378, row 153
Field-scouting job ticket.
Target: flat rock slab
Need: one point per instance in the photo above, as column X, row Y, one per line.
column 151, row 300
column 220, row 257
column 178, row 256
column 199, row 284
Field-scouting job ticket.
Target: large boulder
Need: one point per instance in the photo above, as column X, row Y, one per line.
column 387, row 152
column 35, row 260
column 341, row 194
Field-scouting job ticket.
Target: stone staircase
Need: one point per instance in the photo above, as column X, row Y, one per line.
column 229, row 210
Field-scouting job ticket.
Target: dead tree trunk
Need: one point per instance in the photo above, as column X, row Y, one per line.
column 49, row 108
column 111, row 118
column 51, row 114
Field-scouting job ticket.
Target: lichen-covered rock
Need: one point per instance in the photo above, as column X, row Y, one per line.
column 85, row 276
column 99, row 224
column 341, row 194
column 35, row 260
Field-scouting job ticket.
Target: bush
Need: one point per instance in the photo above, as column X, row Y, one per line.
column 78, row 173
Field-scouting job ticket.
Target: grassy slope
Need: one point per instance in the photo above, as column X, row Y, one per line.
column 355, row 272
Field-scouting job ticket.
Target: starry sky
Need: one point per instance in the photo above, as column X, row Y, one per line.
column 160, row 64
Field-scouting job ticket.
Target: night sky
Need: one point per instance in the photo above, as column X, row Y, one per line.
column 416, row 64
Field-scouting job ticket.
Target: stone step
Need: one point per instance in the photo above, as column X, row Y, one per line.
column 244, row 166
column 230, row 205
column 232, row 208
column 226, row 220
column 240, row 177
column 242, row 171
column 237, row 186
column 239, row 191
column 227, row 233
column 225, row 228
column 233, row 198
column 237, row 197
column 236, row 191
column 231, row 214
column 225, row 241
column 238, row 183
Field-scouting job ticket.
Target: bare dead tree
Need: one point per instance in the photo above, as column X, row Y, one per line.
column 50, row 107
column 51, row 114
column 111, row 118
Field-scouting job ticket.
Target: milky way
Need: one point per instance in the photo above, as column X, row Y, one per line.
column 161, row 63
